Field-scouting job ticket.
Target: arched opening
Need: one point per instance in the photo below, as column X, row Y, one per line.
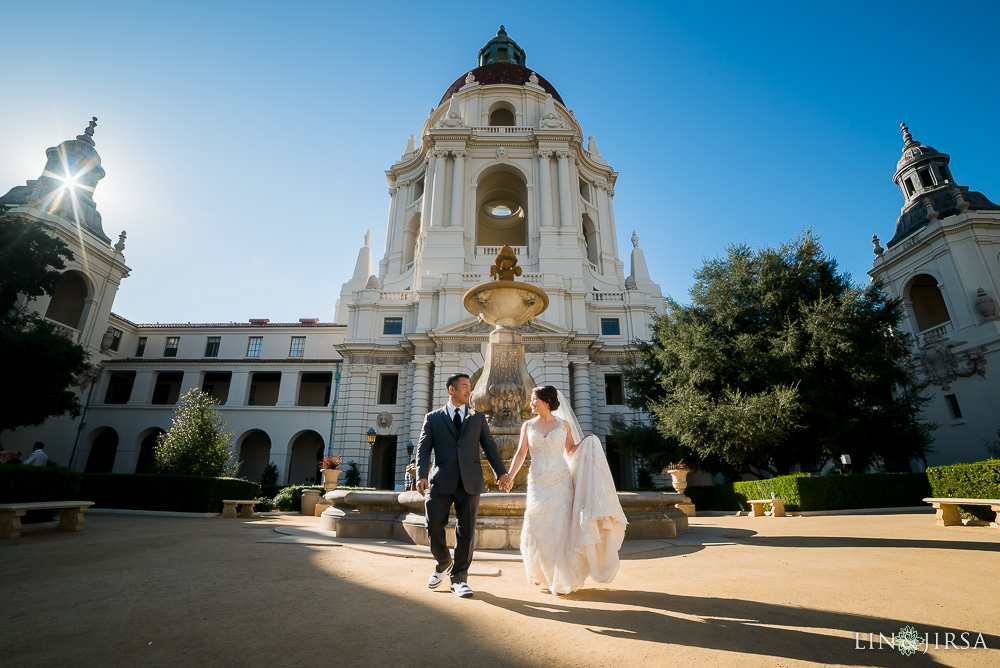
column 307, row 450
column 68, row 300
column 254, row 454
column 502, row 200
column 103, row 449
column 146, row 463
column 502, row 114
column 410, row 235
column 592, row 240
column 929, row 308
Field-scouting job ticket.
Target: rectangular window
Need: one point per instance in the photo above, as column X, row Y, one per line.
column 212, row 346
column 943, row 172
column 116, row 339
column 392, row 326
column 909, row 186
column 140, row 347
column 298, row 347
column 170, row 349
column 168, row 387
column 254, row 345
column 611, row 327
column 613, row 395
column 953, row 409
column 925, row 177
column 119, row 387
column 388, row 385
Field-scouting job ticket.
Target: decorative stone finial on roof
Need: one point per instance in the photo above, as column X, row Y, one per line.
column 88, row 132
column 120, row 246
column 372, row 283
column 635, row 239
column 533, row 79
column 877, row 246
column 907, row 137
column 502, row 32
column 368, row 238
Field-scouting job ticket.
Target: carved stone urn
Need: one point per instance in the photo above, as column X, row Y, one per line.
column 504, row 388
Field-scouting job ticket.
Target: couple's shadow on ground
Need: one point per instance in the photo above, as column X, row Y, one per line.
column 733, row 625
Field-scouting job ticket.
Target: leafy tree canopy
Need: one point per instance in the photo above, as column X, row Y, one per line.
column 197, row 443
column 780, row 360
column 39, row 364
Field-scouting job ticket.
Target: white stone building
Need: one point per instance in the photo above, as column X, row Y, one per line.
column 501, row 161
column 944, row 262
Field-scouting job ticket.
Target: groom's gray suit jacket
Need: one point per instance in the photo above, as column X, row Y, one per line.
column 455, row 452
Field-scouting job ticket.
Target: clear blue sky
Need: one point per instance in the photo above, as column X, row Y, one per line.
column 245, row 142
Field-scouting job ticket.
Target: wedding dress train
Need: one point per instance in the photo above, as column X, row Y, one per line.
column 573, row 522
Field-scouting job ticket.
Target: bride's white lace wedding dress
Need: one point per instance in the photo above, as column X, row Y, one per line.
column 573, row 522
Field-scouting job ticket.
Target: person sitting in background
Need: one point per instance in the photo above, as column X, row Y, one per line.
column 10, row 457
column 410, row 480
column 37, row 456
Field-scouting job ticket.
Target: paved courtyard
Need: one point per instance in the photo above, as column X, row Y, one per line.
column 166, row 591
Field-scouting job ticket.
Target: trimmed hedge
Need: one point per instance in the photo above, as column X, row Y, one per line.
column 183, row 493
column 804, row 492
column 21, row 484
column 290, row 498
column 980, row 480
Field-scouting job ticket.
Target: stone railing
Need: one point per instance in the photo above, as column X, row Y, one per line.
column 408, row 267
column 65, row 330
column 493, row 251
column 504, row 130
column 594, row 268
column 936, row 332
column 395, row 296
column 608, row 296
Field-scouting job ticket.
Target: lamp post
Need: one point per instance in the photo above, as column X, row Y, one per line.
column 371, row 435
column 409, row 448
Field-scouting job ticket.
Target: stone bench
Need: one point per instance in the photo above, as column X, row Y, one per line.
column 71, row 520
column 777, row 505
column 947, row 509
column 246, row 507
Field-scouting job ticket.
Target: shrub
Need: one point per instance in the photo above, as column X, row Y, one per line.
column 191, row 494
column 269, row 476
column 980, row 480
column 804, row 492
column 196, row 443
column 352, row 476
column 290, row 498
column 21, row 484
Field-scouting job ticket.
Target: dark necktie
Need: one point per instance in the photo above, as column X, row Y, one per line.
column 458, row 419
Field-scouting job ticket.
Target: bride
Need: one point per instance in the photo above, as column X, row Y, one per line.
column 573, row 524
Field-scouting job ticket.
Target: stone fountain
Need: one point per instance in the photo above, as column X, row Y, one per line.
column 502, row 392
column 504, row 388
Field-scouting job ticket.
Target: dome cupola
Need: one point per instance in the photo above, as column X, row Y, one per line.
column 920, row 170
column 501, row 49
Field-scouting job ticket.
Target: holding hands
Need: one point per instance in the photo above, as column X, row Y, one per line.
column 505, row 482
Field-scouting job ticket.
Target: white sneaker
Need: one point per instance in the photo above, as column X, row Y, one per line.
column 435, row 580
column 461, row 589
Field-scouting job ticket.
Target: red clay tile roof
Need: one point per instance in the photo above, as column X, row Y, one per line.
column 501, row 73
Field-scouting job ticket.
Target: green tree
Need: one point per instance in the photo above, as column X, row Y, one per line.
column 39, row 364
column 197, row 443
column 780, row 360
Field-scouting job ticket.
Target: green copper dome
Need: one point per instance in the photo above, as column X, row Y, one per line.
column 501, row 49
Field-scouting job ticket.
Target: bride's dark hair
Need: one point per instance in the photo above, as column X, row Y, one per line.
column 549, row 395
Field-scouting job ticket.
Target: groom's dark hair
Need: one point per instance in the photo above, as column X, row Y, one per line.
column 454, row 379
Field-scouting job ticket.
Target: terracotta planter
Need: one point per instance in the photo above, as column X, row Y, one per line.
column 330, row 478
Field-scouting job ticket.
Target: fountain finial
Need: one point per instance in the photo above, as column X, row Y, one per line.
column 506, row 267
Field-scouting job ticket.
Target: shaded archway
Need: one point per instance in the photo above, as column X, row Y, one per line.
column 501, row 207
column 927, row 302
column 592, row 240
column 382, row 472
column 103, row 450
column 307, row 449
column 502, row 114
column 254, row 454
column 68, row 300
column 146, row 462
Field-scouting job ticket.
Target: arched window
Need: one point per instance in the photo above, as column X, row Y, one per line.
column 68, row 300
column 410, row 235
column 502, row 114
column 928, row 304
column 592, row 240
column 501, row 199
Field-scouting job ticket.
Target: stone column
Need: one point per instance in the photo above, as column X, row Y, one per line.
column 437, row 195
column 142, row 389
column 582, row 405
column 288, row 388
column 565, row 206
column 238, row 388
column 420, row 397
column 545, row 180
column 458, row 189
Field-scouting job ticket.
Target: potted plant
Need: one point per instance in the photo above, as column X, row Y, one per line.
column 678, row 475
column 330, row 468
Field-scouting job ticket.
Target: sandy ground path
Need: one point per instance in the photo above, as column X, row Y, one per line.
column 162, row 591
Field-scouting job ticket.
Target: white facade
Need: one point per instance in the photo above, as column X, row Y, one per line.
column 944, row 262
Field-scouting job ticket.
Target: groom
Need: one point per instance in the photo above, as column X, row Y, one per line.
column 454, row 435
